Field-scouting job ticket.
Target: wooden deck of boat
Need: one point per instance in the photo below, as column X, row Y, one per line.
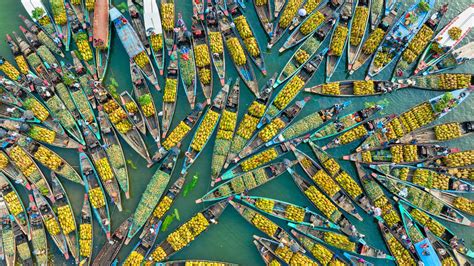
column 101, row 23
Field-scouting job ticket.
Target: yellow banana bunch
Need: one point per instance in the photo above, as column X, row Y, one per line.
column 204, row 131
column 13, row 203
column 322, row 202
column 265, row 205
column 331, row 88
column 171, row 86
column 373, row 41
column 167, row 13
column 332, row 166
column 325, row 182
column 348, row 184
column 264, row 224
column 338, row 40
column 216, row 42
column 9, row 70
column 97, row 198
column 141, row 59
column 176, row 135
column 312, row 23
column 156, row 42
column 363, row 87
column 247, row 126
column 236, row 51
column 66, row 219
column 359, row 24
column 259, row 159
column 289, row 92
column 52, row 226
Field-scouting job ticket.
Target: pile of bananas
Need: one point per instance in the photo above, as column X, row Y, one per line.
column 42, row 134
column 306, row 124
column 167, row 13
column 66, row 219
column 339, row 241
column 448, row 261
column 227, row 125
column 322, row 254
column 425, row 220
column 348, row 184
column 284, row 253
column 464, row 173
column 104, row 169
column 264, row 224
column 382, row 59
column 455, row 33
column 325, row 182
column 141, row 59
column 201, row 53
column 97, row 198
column 243, row 27
column 82, row 43
column 366, row 156
column 37, row 108
column 3, row 160
column 9, row 70
column 205, row 130
column 48, row 158
column 124, row 126
column 419, row 116
column 52, row 226
column 22, row 161
column 158, row 254
column 353, row 134
column 338, row 40
column 331, row 88
column 331, row 166
column 110, row 106
column 410, row 153
column 156, row 42
column 162, row 207
column 247, row 126
column 59, row 11
column 265, row 205
column 300, row 259
column 176, row 135
column 216, row 42
column 397, row 153
column 169, row 96
column 359, row 24
column 76, row 2
column 294, row 213
column 391, row 218
column 322, row 202
column 289, row 92
column 289, row 12
column 311, row 5
column 119, row 114
column 363, row 87
column 403, row 173
column 418, row 44
column 312, row 23
column 237, row 185
column 205, row 76
column 454, row 81
column 373, row 41
column 90, row 4
column 261, row 2
column 134, row 258
column 271, row 130
column 301, row 56
column 430, row 179
column 259, row 159
column 394, row 129
column 146, row 103
column 256, row 109
column 401, row 254
column 187, row 232
column 273, row 262
column 13, row 203
column 464, row 205
column 22, row 64
column 236, row 51
column 252, row 46
column 85, row 240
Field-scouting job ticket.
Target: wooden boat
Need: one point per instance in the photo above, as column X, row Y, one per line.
column 92, row 183
column 310, row 7
column 341, row 177
column 429, row 134
column 208, row 123
column 200, row 45
column 280, row 27
column 179, row 133
column 252, row 116
column 84, row 78
column 395, row 246
column 78, row 8
column 8, row 239
column 152, row 194
column 245, row 69
column 377, row 11
column 203, row 219
column 184, row 262
column 422, row 199
column 270, row 130
column 186, row 61
column 345, row 123
column 444, row 254
column 442, row 42
column 88, row 9
column 49, row 159
column 154, row 32
column 225, row 131
column 252, row 46
column 132, row 44
column 133, row 112
column 417, row 45
column 276, row 232
column 343, row 24
column 277, row 7
column 267, row 256
column 61, row 22
column 292, row 88
column 355, row 88
column 459, row 202
column 276, row 248
column 440, row 82
column 50, row 218
column 433, row 109
column 456, row 57
column 65, row 213
column 217, row 55
column 398, row 38
column 111, row 107
column 359, row 25
column 265, row 16
column 171, row 93
column 15, row 205
column 101, row 35
column 39, row 242
column 22, row 247
column 360, row 132
column 324, row 255
column 86, row 241
column 143, row 247
column 254, row 179
column 111, row 248
column 356, row 261
column 282, row 210
column 136, row 19
column 17, row 114
column 168, row 23
column 331, row 189
column 11, row 171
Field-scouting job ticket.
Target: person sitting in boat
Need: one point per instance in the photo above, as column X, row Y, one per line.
column 189, row 157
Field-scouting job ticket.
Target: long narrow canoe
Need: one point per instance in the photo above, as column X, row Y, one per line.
column 111, row 248
column 186, row 60
column 8, row 239
column 277, row 7
column 152, row 194
column 265, row 16
column 11, row 171
column 95, row 193
column 445, row 255
column 282, row 24
column 203, row 58
column 170, row 94
column 16, row 114
column 78, row 8
column 267, row 256
column 136, row 19
column 456, row 57
column 395, row 246
column 40, row 15
column 84, row 78
column 216, row 43
column 284, row 253
column 101, row 37
column 133, row 112
column 456, row 159
column 154, row 32
column 198, row 224
column 143, row 247
column 167, row 9
column 461, row 203
column 247, row 181
column 310, row 7
column 39, row 242
column 86, row 232
column 439, row 133
column 22, row 247
column 58, row 8
column 359, row 25
column 14, row 205
column 355, row 88
column 440, row 82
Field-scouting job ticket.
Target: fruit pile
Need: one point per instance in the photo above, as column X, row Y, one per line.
column 176, row 135
column 455, row 33
column 382, row 59
column 301, row 56
column 252, row 46
column 259, row 159
column 227, row 125
column 454, row 81
column 458, row 159
column 261, row 2
column 187, row 67
column 205, row 76
column 82, row 43
column 169, row 96
column 59, row 11
column 399, row 252
column 187, row 232
column 265, row 205
column 359, row 24
column 322, row 202
column 289, row 12
column 134, row 258
column 464, row 173
column 418, row 116
column 312, row 23
column 146, row 103
column 141, row 59
column 289, row 92
column 202, row 56
column 391, row 218
column 243, row 27
column 294, row 213
column 162, row 207
column 311, row 5
column 103, row 168
column 464, row 205
column 66, row 219
column 363, row 87
column 417, row 44
column 338, row 40
column 37, row 108
column 13, row 202
column 158, row 254
column 448, row 261
column 97, row 198
column 373, row 41
column 270, row 130
column 332, row 166
column 117, row 116
column 236, row 51
column 52, row 226
column 256, row 109
column 205, row 130
column 216, row 43
column 247, row 126
column 9, row 70
column 22, row 64
column 403, row 173
column 306, row 124
column 3, row 161
column 348, row 184
column 42, row 134
column 321, row 253
column 326, row 183
column 331, row 88
column 300, row 259
column 284, row 253
column 22, row 161
column 156, row 42
column 353, row 134
column 167, row 13
column 48, row 158
column 430, row 179
column 264, row 224
column 404, row 153
column 448, row 131
column 90, row 4
column 339, row 241
column 425, row 220
column 124, row 126
column 85, row 240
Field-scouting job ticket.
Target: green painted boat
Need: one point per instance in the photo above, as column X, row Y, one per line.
column 440, row 82
column 186, row 60
column 355, row 88
column 39, row 241
column 15, row 205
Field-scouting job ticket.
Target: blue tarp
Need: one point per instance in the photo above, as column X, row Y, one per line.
column 423, row 248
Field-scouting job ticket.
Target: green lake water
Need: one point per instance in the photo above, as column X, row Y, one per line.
column 231, row 239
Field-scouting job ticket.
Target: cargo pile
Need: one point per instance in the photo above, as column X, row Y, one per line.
column 453, row 81
column 146, row 103
column 455, row 33
column 382, row 59
column 448, row 261
column 22, row 64
column 321, row 253
column 289, row 92
column 141, row 59
column 363, row 87
column 464, row 205
column 375, row 38
column 134, row 258
column 82, row 43
column 339, row 241
column 162, row 207
column 312, row 23
column 427, row 221
column 331, row 166
column 271, row 130
column 37, row 108
column 348, row 184
column 311, row 5
column 169, row 95
column 294, row 213
column 82, row 104
column 205, row 130
column 59, row 11
column 459, row 159
column 322, row 202
column 156, row 42
column 399, row 252
column 48, row 158
column 3, row 161
column 13, row 203
column 447, row 131
column 417, row 44
column 236, row 51
column 264, row 224
column 104, row 170
column 265, row 205
column 167, row 14
column 304, row 125
column 187, row 232
column 326, row 183
column 404, row 153
column 158, row 254
column 464, row 173
column 66, row 219
column 301, row 56
column 338, row 40
column 90, row 4
column 97, row 198
column 52, row 226
column 117, row 116
column 176, row 136
column 227, row 125
column 261, row 2
column 430, row 179
column 353, row 134
column 216, row 42
column 85, row 240
column 289, row 12
column 187, row 67
column 247, row 126
column 259, row 159
column 331, row 88
column 46, row 55
column 9, row 70
column 247, row 36
column 42, row 134
column 202, row 56
column 359, row 25
column 24, row 163
column 391, row 217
